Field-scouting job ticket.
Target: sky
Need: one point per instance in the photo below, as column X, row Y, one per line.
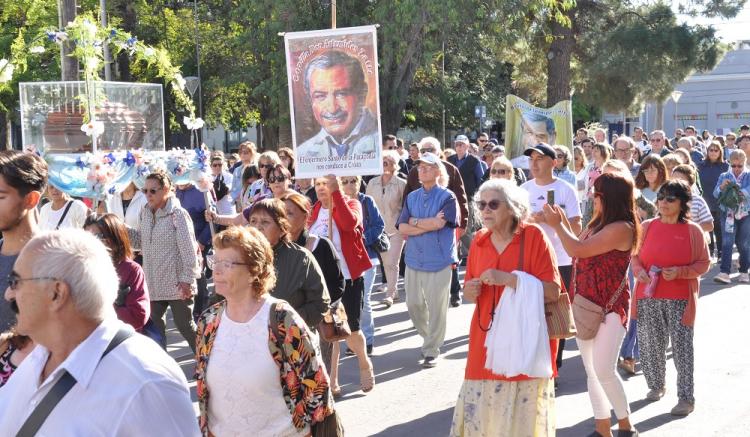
column 738, row 28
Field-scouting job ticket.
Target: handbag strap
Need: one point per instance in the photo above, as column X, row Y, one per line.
column 58, row 391
column 617, row 294
column 68, row 204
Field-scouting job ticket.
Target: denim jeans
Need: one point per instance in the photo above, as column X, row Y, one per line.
column 366, row 322
column 740, row 235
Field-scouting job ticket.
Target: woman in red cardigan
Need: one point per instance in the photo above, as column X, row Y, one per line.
column 339, row 219
column 666, row 308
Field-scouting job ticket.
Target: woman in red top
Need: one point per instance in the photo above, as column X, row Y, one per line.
column 669, row 312
column 491, row 404
column 339, row 219
column 602, row 257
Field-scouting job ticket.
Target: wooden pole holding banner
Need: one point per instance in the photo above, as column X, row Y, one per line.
column 333, row 14
column 209, row 206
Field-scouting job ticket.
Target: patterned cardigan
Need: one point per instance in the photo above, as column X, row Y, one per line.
column 304, row 380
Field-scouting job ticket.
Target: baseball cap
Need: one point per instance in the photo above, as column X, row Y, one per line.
column 429, row 158
column 544, row 149
column 461, row 139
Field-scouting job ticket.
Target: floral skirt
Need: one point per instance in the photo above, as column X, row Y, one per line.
column 489, row 408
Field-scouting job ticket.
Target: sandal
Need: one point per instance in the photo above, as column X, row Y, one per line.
column 336, row 391
column 366, row 379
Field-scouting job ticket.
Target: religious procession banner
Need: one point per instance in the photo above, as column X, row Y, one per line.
column 333, row 97
column 527, row 125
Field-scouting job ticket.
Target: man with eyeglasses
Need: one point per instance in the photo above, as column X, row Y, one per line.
column 23, row 180
column 624, row 149
column 639, row 139
column 729, row 144
column 542, row 188
column 90, row 374
column 456, row 185
column 658, row 141
column 390, row 142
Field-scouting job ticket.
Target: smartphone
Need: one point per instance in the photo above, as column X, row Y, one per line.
column 551, row 197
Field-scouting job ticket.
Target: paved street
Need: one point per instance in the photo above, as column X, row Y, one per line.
column 411, row 401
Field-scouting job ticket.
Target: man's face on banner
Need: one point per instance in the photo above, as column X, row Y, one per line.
column 535, row 132
column 334, row 102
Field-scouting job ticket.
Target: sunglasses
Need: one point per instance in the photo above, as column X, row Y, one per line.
column 494, row 204
column 482, row 141
column 348, row 181
column 151, row 190
column 668, row 198
column 268, row 166
column 500, row 171
column 655, row 140
column 737, row 166
column 392, row 147
column 272, row 179
column 216, row 165
column 14, row 280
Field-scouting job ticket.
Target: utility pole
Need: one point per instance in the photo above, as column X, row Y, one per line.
column 107, row 56
column 66, row 12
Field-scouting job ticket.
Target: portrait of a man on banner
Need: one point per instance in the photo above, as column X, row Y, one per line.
column 333, row 98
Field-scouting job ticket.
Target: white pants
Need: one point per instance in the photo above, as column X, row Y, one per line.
column 427, row 295
column 600, row 361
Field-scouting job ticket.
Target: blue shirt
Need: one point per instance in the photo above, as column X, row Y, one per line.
column 435, row 250
column 566, row 175
column 194, row 202
column 743, row 181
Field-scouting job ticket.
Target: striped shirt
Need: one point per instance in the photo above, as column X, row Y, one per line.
column 699, row 212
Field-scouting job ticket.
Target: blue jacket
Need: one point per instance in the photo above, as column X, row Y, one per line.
column 373, row 222
column 743, row 181
column 194, row 202
column 709, row 173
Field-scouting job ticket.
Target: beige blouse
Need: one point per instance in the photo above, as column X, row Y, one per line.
column 389, row 198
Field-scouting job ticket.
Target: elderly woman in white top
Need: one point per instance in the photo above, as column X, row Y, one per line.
column 255, row 354
column 388, row 192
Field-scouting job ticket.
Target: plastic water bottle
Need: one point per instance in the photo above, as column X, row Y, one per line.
column 653, row 274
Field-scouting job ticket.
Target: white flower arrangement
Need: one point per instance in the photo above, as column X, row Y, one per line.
column 93, row 128
column 193, row 123
column 6, row 71
column 36, row 50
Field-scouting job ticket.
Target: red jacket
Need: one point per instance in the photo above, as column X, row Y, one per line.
column 347, row 214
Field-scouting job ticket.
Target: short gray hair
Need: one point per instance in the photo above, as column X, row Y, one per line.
column 80, row 260
column 516, row 197
column 430, row 140
column 738, row 154
column 392, row 155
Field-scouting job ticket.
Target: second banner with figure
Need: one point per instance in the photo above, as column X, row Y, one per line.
column 333, row 98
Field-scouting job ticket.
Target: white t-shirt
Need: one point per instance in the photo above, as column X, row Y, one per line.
column 320, row 228
column 565, row 198
column 75, row 218
column 243, row 379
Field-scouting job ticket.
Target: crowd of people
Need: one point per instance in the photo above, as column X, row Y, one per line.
column 287, row 256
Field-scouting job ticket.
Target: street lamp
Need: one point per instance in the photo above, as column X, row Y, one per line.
column 676, row 98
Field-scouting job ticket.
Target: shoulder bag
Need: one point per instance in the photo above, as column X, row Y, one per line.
column 68, row 204
column 382, row 243
column 558, row 314
column 334, row 326
column 588, row 315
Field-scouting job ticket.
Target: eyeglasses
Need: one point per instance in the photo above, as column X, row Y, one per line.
column 426, row 167
column 427, row 150
column 737, row 166
column 14, row 280
column 655, row 140
column 215, row 264
column 500, row 171
column 494, row 204
column 218, row 164
column 151, row 190
column 668, row 198
column 560, row 156
column 272, row 179
column 349, row 181
column 622, row 150
column 268, row 166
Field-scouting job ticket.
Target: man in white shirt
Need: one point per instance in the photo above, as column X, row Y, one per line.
column 541, row 163
column 62, row 286
column 223, row 183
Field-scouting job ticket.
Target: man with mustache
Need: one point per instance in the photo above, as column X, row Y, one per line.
column 336, row 88
column 23, row 179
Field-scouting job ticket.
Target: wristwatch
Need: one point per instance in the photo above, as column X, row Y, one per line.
column 416, row 222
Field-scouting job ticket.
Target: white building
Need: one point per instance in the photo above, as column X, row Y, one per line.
column 718, row 100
